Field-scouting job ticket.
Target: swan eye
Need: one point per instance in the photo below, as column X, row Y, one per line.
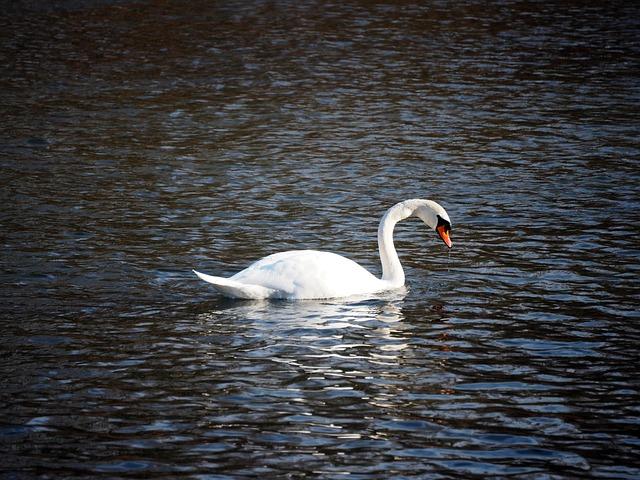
column 443, row 223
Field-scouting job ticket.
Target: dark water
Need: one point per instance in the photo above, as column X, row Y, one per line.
column 140, row 140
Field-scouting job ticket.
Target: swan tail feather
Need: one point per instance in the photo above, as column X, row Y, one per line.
column 234, row 289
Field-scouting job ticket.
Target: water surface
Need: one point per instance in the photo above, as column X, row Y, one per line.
column 140, row 140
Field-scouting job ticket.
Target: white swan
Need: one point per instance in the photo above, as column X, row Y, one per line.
column 308, row 274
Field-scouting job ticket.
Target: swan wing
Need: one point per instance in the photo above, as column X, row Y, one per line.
column 236, row 289
column 309, row 274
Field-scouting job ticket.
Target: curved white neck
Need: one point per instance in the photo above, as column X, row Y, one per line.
column 427, row 210
column 391, row 268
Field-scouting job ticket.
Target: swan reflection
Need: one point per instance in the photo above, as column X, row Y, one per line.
column 302, row 333
column 321, row 352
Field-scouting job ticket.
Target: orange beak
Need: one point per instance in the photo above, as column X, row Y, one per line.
column 444, row 235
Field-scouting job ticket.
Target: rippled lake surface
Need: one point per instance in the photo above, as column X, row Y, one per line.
column 141, row 140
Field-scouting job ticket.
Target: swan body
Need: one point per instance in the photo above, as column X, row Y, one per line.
column 311, row 274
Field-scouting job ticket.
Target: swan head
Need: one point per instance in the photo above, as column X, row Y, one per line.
column 436, row 218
